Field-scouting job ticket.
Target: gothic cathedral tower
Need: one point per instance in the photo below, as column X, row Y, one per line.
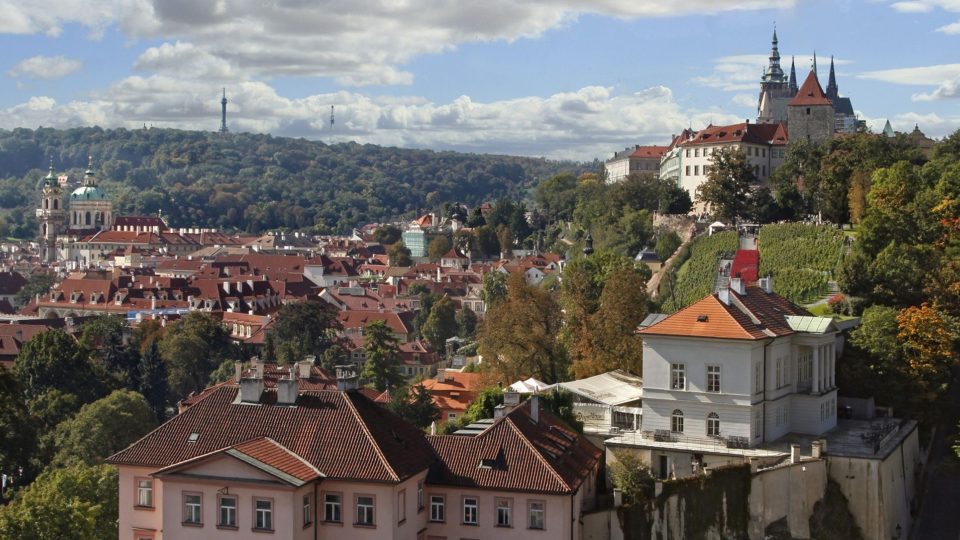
column 51, row 216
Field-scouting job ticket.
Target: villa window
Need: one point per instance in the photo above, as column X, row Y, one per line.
column 535, row 509
column 713, row 379
column 470, row 505
column 192, row 509
column 145, row 492
column 713, row 425
column 503, row 513
column 420, row 495
column 401, row 506
column 228, row 512
column 364, row 510
column 678, row 377
column 437, row 508
column 263, row 514
column 676, row 421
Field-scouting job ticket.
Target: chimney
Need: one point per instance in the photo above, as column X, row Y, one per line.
column 237, row 371
column 724, row 295
column 767, row 284
column 816, row 449
column 303, row 368
column 251, row 388
column 794, row 453
column 535, row 408
column 153, row 303
column 441, row 375
column 738, row 285
column 287, row 390
column 511, row 399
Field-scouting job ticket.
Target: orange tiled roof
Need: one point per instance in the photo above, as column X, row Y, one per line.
column 810, row 93
column 754, row 315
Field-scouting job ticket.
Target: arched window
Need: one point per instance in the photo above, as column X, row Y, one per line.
column 713, row 425
column 56, row 204
column 88, row 218
column 46, row 204
column 676, row 421
column 44, row 230
column 75, row 218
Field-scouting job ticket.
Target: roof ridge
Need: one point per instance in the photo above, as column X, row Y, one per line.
column 366, row 431
column 295, row 455
column 536, row 452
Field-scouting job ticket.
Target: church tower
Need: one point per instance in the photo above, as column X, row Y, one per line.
column 51, row 216
column 775, row 88
column 832, row 91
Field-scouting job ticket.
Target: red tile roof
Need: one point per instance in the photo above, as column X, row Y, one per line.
column 811, row 93
column 754, row 315
column 343, row 435
column 517, row 454
column 773, row 134
column 650, row 152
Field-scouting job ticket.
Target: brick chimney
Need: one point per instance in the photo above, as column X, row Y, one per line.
column 535, row 408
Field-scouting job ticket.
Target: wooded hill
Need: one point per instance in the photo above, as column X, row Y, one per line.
column 255, row 182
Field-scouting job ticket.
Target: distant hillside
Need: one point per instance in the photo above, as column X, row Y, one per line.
column 255, row 182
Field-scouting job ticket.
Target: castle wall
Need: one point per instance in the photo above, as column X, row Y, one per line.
column 814, row 123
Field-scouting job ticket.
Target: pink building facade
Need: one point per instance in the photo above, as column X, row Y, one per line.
column 332, row 464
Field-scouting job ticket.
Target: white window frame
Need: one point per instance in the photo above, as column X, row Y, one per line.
column 192, row 511
column 471, row 510
column 713, row 425
column 438, row 508
column 144, row 492
column 332, row 507
column 536, row 515
column 678, row 376
column 365, row 514
column 307, row 509
column 231, row 511
column 262, row 517
column 676, row 421
column 504, row 513
column 713, row 379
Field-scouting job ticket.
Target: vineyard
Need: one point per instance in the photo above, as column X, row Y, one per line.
column 801, row 258
column 694, row 279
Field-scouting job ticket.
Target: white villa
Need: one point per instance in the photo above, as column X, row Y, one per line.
column 737, row 369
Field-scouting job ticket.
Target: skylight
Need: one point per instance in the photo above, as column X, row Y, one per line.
column 194, row 437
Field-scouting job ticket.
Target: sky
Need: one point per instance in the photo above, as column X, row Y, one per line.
column 562, row 79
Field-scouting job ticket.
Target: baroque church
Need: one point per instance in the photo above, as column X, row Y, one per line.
column 816, row 114
column 89, row 211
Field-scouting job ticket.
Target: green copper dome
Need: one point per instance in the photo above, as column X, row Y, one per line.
column 88, row 193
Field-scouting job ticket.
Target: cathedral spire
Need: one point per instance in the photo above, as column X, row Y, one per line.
column 815, row 63
column 774, row 73
column 832, row 90
column 793, row 76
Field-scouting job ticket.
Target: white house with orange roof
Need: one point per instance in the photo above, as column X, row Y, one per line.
column 734, row 370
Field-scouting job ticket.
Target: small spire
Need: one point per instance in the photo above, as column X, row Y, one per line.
column 832, row 90
column 815, row 64
column 793, row 75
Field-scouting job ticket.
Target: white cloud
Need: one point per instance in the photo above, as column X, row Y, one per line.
column 912, row 7
column 932, row 124
column 358, row 42
column 46, row 67
column 588, row 123
column 952, row 28
column 945, row 78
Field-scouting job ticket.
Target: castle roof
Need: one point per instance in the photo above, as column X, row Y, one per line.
column 810, row 93
column 773, row 134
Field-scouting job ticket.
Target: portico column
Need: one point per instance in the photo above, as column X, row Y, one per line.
column 816, row 369
column 833, row 367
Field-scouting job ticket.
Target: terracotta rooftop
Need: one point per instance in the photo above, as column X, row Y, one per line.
column 340, row 434
column 754, row 315
column 811, row 93
column 773, row 134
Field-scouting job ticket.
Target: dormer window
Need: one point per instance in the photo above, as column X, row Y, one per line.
column 193, row 437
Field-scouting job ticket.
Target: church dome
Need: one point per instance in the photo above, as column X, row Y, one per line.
column 88, row 193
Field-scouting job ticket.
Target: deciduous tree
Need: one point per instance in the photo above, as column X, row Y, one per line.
column 102, row 428
column 727, row 185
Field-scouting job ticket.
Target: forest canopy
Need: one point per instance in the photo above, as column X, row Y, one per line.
column 254, row 182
